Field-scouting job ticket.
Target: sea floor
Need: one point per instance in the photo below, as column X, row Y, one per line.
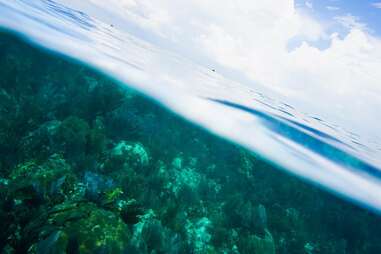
column 89, row 166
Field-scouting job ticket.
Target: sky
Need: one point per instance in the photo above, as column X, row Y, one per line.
column 323, row 56
column 365, row 11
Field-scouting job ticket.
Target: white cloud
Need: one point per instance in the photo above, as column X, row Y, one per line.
column 332, row 8
column 377, row 5
column 349, row 21
column 309, row 4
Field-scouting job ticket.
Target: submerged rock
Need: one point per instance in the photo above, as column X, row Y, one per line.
column 246, row 214
column 72, row 135
column 254, row 244
column 96, row 185
column 309, row 248
column 82, row 228
column 57, row 242
column 150, row 236
column 126, row 155
column 52, row 181
column 177, row 162
column 40, row 143
column 130, row 211
column 198, row 236
column 133, row 152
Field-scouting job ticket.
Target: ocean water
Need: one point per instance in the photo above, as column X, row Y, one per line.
column 111, row 143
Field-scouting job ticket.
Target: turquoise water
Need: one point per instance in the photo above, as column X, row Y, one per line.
column 95, row 160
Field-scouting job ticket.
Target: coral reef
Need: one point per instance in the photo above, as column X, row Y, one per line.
column 88, row 166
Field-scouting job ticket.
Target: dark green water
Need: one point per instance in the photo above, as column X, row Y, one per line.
column 87, row 166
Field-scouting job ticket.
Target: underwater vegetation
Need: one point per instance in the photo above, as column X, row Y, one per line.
column 89, row 166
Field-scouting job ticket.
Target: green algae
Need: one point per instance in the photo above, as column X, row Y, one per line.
column 84, row 228
column 51, row 181
column 88, row 166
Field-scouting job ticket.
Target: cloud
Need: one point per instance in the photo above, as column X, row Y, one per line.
column 349, row 21
column 309, row 4
column 332, row 8
column 377, row 5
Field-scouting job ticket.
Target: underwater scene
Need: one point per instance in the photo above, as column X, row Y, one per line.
column 90, row 166
column 114, row 139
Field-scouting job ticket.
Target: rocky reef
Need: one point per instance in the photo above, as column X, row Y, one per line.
column 89, row 166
